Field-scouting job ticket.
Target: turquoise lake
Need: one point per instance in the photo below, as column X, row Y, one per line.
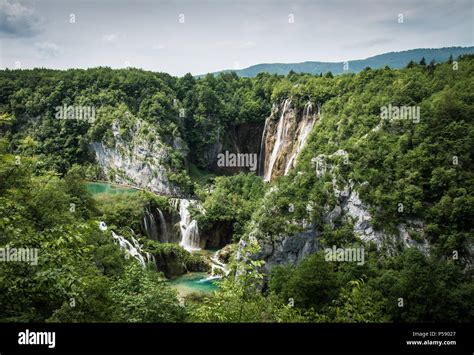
column 193, row 282
column 96, row 188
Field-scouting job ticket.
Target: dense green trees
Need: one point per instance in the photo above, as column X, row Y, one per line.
column 409, row 287
column 231, row 202
column 197, row 110
column 423, row 164
column 81, row 275
column 312, row 284
column 405, row 169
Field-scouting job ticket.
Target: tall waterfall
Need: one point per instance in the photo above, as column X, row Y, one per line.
column 261, row 156
column 190, row 239
column 133, row 249
column 306, row 126
column 284, row 136
column 280, row 136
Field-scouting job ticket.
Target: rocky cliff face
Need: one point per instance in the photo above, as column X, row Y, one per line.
column 292, row 249
column 217, row 236
column 162, row 226
column 238, row 139
column 284, row 136
column 349, row 207
column 288, row 249
column 136, row 159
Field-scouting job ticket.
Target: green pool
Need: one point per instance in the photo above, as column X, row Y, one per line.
column 96, row 188
column 193, row 282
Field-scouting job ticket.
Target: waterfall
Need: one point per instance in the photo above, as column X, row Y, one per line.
column 218, row 269
column 305, row 127
column 261, row 156
column 279, row 139
column 130, row 250
column 288, row 142
column 218, row 265
column 149, row 224
column 188, row 227
column 190, row 240
column 163, row 229
column 133, row 249
column 102, row 226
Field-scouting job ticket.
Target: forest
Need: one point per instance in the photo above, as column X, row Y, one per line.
column 413, row 176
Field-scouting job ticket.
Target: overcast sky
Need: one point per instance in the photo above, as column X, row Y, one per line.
column 199, row 36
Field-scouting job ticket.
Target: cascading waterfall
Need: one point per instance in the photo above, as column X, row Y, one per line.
column 190, row 239
column 218, row 269
column 149, row 224
column 133, row 249
column 279, row 139
column 306, row 127
column 261, row 156
column 278, row 154
column 163, row 229
column 156, row 231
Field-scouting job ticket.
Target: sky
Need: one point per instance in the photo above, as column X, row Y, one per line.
column 201, row 36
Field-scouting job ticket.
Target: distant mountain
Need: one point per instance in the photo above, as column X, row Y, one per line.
column 394, row 60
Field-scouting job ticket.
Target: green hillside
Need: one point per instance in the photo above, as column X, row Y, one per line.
column 423, row 165
column 394, row 60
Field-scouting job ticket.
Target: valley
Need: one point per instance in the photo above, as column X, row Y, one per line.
column 216, row 199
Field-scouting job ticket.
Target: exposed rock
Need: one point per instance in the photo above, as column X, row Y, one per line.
column 238, row 139
column 286, row 249
column 132, row 158
column 225, row 253
column 291, row 249
column 349, row 207
column 217, row 236
column 333, row 216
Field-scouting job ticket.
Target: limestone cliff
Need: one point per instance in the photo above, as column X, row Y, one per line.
column 136, row 156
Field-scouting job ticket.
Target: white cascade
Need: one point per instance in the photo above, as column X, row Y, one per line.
column 190, row 239
column 218, row 265
column 280, row 138
column 163, row 229
column 261, row 156
column 133, row 249
column 306, row 126
column 149, row 224
column 218, row 269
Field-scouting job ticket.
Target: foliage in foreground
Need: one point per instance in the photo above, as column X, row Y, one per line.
column 81, row 274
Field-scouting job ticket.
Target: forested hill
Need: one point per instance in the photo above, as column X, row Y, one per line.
column 399, row 186
column 394, row 60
